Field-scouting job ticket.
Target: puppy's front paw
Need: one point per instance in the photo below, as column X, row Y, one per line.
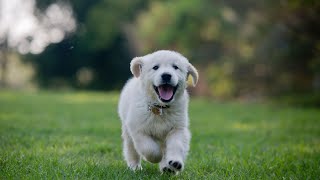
column 176, row 165
column 173, row 166
column 168, row 170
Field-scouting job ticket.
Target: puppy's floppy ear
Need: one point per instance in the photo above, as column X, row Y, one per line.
column 194, row 74
column 135, row 66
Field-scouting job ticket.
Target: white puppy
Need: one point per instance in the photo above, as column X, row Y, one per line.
column 153, row 108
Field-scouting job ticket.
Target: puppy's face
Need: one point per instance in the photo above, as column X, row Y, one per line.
column 163, row 74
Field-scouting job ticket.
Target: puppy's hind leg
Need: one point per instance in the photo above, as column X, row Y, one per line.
column 148, row 148
column 130, row 154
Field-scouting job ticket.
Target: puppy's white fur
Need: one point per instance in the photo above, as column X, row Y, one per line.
column 164, row 138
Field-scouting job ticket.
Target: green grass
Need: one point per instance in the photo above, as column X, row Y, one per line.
column 47, row 135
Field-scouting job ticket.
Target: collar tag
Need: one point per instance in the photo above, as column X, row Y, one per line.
column 156, row 109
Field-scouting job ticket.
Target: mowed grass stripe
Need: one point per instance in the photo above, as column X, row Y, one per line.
column 77, row 135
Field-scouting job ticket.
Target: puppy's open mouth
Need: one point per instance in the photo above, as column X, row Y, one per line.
column 165, row 92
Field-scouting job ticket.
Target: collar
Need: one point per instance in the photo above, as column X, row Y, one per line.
column 157, row 109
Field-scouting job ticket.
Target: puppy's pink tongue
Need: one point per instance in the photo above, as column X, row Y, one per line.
column 165, row 92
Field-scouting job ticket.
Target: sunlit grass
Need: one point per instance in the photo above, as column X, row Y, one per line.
column 45, row 135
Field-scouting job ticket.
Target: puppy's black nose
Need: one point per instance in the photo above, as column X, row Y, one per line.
column 166, row 77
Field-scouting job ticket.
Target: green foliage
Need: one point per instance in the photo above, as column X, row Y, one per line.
column 105, row 20
column 184, row 25
column 47, row 135
column 220, row 80
column 273, row 46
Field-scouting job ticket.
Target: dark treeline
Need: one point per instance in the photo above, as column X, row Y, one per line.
column 98, row 54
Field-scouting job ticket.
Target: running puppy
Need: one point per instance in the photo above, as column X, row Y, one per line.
column 153, row 108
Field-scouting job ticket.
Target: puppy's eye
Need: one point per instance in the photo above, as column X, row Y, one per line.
column 175, row 67
column 155, row 67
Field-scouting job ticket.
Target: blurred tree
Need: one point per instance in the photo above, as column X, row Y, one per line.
column 246, row 48
column 291, row 46
column 98, row 52
column 26, row 29
column 211, row 33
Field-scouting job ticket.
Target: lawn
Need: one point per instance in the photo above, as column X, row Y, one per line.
column 48, row 135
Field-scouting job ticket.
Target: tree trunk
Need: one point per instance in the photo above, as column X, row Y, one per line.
column 3, row 65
